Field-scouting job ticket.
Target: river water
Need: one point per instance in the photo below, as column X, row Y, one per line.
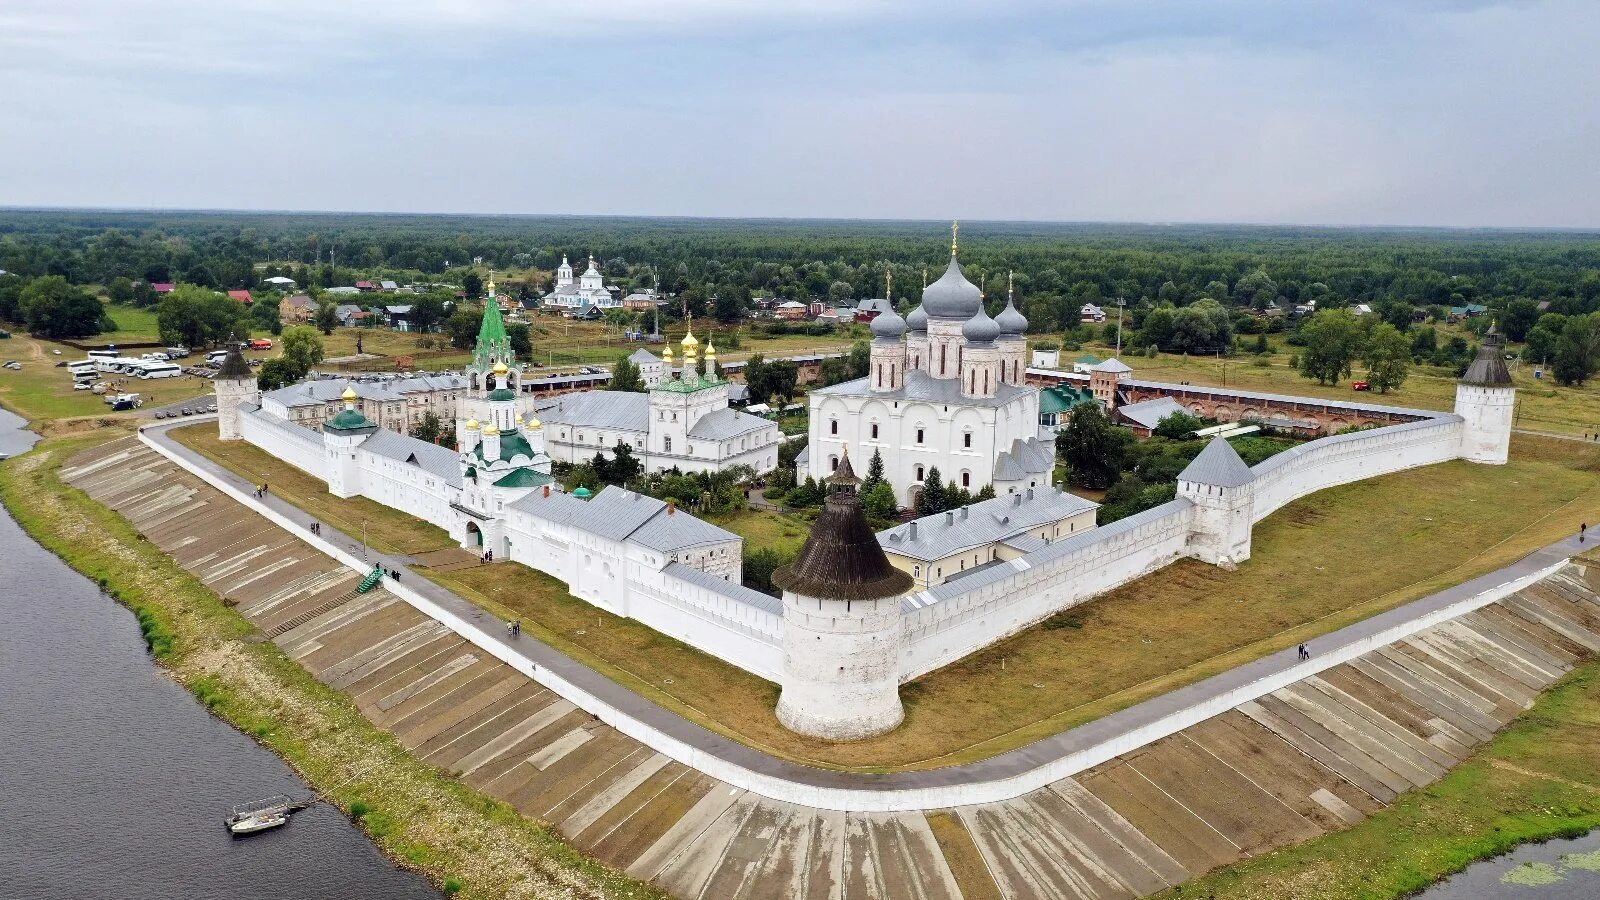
column 1555, row 870
column 114, row 780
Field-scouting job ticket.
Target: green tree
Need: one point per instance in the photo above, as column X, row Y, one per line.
column 472, row 285
column 1578, row 350
column 624, row 465
column 195, row 316
column 427, row 311
column 758, row 567
column 1388, row 358
column 52, row 308
column 878, row 501
column 264, row 317
column 1093, row 448
column 1541, row 344
column 463, row 325
column 1332, row 342
column 327, row 317
column 874, row 471
column 755, row 378
column 933, row 499
column 302, row 347
column 783, row 376
column 625, row 376
column 520, row 337
column 1178, row 426
column 429, row 428
column 275, row 373
column 120, row 290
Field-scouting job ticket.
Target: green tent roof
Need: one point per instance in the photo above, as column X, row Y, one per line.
column 524, row 478
column 1088, row 359
column 512, row 445
column 1061, row 398
column 493, row 345
column 502, row 394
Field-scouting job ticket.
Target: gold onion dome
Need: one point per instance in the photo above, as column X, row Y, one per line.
column 533, row 422
column 491, row 428
column 711, row 349
column 349, row 395
column 666, row 353
column 500, row 368
column 689, row 340
column 472, row 424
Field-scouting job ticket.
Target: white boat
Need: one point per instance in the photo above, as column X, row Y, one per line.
column 249, row 818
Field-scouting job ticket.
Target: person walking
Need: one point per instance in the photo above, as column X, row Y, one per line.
column 1583, row 529
column 1304, row 653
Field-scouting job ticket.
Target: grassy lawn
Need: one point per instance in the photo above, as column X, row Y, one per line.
column 387, row 530
column 1542, row 405
column 557, row 343
column 418, row 815
column 133, row 324
column 1324, row 562
column 1534, row 781
column 765, row 528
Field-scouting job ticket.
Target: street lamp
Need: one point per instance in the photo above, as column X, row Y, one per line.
column 365, row 557
column 1121, row 302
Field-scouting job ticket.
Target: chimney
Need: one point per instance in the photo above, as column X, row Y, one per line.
column 963, row 513
column 672, row 507
column 1016, row 499
column 547, row 490
column 912, row 531
column 949, row 517
column 1030, row 493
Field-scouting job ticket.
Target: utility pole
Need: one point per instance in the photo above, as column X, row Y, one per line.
column 1121, row 302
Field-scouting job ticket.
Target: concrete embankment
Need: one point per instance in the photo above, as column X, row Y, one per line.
column 1303, row 759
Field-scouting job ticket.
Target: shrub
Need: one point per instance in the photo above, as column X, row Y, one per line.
column 451, row 887
column 358, row 810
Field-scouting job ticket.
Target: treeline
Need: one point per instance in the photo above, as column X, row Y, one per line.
column 719, row 266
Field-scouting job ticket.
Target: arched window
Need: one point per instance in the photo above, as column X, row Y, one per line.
column 833, row 426
column 919, row 435
column 942, row 349
column 833, row 463
column 966, row 479
column 874, row 430
column 919, row 473
column 966, row 440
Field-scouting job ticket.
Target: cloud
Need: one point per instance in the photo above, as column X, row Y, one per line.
column 1420, row 112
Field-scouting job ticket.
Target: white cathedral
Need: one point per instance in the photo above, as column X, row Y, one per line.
column 945, row 390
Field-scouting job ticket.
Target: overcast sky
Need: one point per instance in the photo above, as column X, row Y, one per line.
column 1434, row 112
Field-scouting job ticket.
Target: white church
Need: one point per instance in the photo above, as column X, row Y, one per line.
column 576, row 296
column 945, row 391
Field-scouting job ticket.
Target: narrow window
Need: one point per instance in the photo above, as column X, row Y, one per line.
column 833, row 426
column 874, row 430
column 966, row 440
column 919, row 435
column 942, row 349
column 966, row 479
column 919, row 473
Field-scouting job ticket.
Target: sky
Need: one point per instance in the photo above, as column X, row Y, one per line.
column 1344, row 112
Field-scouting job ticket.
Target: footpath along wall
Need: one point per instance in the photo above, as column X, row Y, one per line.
column 1001, row 778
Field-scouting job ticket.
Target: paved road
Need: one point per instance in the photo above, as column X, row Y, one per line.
column 1109, row 731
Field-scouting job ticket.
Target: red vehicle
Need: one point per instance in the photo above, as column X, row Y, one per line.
column 1361, row 385
column 261, row 344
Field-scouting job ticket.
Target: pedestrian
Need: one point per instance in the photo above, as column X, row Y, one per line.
column 1583, row 528
column 1304, row 653
column 263, row 488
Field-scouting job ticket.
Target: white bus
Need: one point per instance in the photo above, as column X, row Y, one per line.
column 160, row 370
column 82, row 367
column 103, row 354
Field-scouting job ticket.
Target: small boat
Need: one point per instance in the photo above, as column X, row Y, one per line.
column 262, row 815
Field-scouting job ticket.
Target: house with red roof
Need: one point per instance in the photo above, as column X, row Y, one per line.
column 241, row 296
column 162, row 287
column 365, row 286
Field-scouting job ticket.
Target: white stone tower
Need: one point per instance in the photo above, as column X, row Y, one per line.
column 1486, row 399
column 842, row 629
column 980, row 358
column 947, row 304
column 1222, row 489
column 341, row 435
column 234, row 384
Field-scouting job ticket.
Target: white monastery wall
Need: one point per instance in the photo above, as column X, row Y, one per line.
column 722, row 618
column 1343, row 458
column 945, row 623
column 297, row 446
column 406, row 487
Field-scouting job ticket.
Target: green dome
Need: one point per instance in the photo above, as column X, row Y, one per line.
column 583, row 493
column 502, row 394
column 348, row 420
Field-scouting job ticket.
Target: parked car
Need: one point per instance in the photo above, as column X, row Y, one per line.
column 260, row 344
column 1361, row 385
column 82, row 386
column 13, row 365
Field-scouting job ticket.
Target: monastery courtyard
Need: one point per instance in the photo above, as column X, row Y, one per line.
column 1307, row 759
column 1385, row 542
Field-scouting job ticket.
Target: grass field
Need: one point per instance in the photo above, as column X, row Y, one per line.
column 1319, row 564
column 1536, row 780
column 41, row 392
column 1542, row 405
column 765, row 528
column 420, row 817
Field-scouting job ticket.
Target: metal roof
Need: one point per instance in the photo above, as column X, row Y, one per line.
column 619, row 514
column 1025, row 457
column 732, row 590
column 1149, row 413
column 721, row 424
column 432, row 458
column 615, row 410
column 1219, row 465
column 991, row 521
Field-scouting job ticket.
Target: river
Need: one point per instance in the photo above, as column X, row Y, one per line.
column 114, row 779
column 1554, row 870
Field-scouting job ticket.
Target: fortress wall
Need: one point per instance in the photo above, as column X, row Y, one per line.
column 1341, row 459
column 408, row 488
column 684, row 605
column 946, row 623
column 297, row 446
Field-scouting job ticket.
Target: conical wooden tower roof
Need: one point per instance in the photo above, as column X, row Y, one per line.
column 842, row 560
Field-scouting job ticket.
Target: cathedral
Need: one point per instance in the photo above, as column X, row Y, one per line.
column 945, row 390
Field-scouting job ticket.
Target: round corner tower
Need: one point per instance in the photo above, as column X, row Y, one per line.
column 1485, row 400
column 234, row 384
column 842, row 629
